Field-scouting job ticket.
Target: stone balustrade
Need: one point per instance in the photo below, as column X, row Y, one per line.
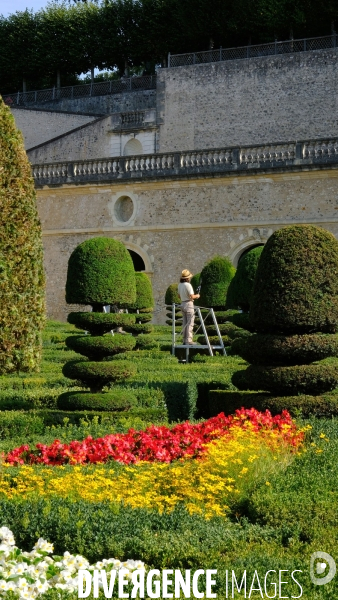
column 320, row 152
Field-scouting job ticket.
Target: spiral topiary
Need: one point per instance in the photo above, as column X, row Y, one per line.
column 22, row 282
column 241, row 286
column 100, row 272
column 294, row 311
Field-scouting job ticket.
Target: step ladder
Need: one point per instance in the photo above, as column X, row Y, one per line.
column 197, row 310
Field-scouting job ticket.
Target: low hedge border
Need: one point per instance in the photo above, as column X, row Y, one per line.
column 116, row 400
column 306, row 406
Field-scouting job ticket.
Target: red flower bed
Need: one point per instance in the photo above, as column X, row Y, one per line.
column 155, row 443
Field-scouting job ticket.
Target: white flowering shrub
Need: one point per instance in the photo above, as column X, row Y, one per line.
column 27, row 575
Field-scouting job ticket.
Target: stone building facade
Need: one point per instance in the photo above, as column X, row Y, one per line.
column 212, row 162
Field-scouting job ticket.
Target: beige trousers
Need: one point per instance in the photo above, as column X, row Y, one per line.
column 188, row 321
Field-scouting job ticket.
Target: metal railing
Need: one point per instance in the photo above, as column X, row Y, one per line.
column 223, row 54
column 191, row 163
column 104, row 88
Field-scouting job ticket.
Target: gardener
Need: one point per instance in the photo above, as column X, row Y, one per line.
column 187, row 296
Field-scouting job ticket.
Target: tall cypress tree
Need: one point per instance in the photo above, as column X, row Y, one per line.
column 22, row 290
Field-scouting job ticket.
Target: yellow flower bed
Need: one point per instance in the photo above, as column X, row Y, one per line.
column 207, row 485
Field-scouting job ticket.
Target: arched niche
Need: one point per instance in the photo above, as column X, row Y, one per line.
column 132, row 147
column 138, row 261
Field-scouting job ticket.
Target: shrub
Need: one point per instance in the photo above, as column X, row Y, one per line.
column 117, row 400
column 144, row 293
column 296, row 287
column 195, row 281
column 241, row 286
column 98, row 347
column 100, row 271
column 98, row 374
column 139, row 328
column 241, row 320
column 222, row 316
column 277, row 350
column 143, row 317
column 22, row 306
column 216, row 277
column 213, row 339
column 146, row 342
column 171, row 295
column 304, row 379
column 228, row 402
column 99, row 323
column 229, row 329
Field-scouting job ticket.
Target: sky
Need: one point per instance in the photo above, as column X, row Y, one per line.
column 11, row 6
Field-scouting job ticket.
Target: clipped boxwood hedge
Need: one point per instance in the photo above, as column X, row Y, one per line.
column 171, row 295
column 144, row 293
column 143, row 317
column 241, row 320
column 222, row 316
column 241, row 286
column 100, row 323
column 100, row 271
column 98, row 374
column 296, row 283
column 215, row 277
column 277, row 350
column 228, row 402
column 213, row 339
column 98, row 347
column 288, row 381
column 117, row 400
column 229, row 329
column 138, row 328
column 146, row 342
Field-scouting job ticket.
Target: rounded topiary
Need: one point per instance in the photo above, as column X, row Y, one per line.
column 146, row 342
column 144, row 293
column 288, row 381
column 98, row 374
column 118, row 400
column 100, row 323
column 99, row 347
column 263, row 349
column 171, row 295
column 143, row 317
column 22, row 305
column 230, row 330
column 215, row 278
column 195, row 281
column 139, row 328
column 100, row 272
column 239, row 293
column 296, row 283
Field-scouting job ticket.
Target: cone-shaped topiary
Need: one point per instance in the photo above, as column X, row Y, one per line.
column 296, row 283
column 100, row 271
column 171, row 295
column 241, row 286
column 215, row 279
column 22, row 289
column 294, row 302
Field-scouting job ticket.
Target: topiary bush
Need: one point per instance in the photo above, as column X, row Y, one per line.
column 276, row 350
column 22, row 304
column 215, row 278
column 294, row 304
column 241, row 286
column 144, row 302
column 171, row 295
column 118, row 400
column 100, row 323
column 99, row 347
column 296, row 287
column 101, row 272
column 96, row 375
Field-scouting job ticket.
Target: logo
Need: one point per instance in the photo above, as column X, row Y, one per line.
column 319, row 567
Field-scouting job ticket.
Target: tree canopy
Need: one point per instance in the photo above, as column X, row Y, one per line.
column 74, row 38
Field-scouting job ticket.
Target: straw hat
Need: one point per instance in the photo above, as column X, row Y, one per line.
column 186, row 273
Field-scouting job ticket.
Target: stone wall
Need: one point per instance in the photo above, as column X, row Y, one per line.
column 103, row 137
column 104, row 105
column 253, row 101
column 38, row 126
column 180, row 224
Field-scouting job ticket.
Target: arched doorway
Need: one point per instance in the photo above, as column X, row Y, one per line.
column 248, row 250
column 138, row 261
